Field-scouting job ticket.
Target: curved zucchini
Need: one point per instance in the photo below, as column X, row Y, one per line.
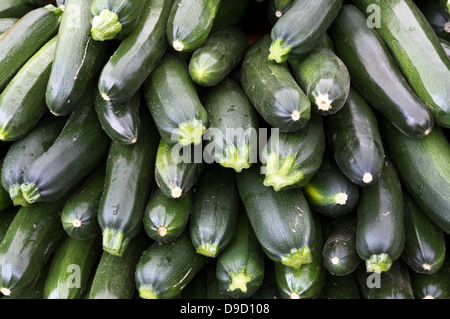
column 230, row 13
column 432, row 286
column 277, row 8
column 216, row 206
column 6, row 24
column 375, row 74
column 340, row 287
column 273, row 90
column 437, row 16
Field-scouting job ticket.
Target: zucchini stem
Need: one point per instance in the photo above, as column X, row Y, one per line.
column 15, row 192
column 105, row 26
column 30, row 193
column 208, row 250
column 239, row 280
column 279, row 176
column 279, row 51
column 297, row 257
column 5, row 291
column 235, row 159
column 191, row 132
column 379, row 263
column 147, row 292
column 114, row 241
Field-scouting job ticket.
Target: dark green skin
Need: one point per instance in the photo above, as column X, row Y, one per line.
column 340, row 241
column 5, row 200
column 380, row 226
column 170, row 213
column 22, row 102
column 167, row 269
column 190, row 22
column 446, row 45
column 425, row 249
column 77, row 58
column 215, row 211
column 37, row 291
column 375, row 75
column 212, row 284
column 432, row 286
column 277, row 8
column 6, row 24
column 354, row 140
column 340, row 287
column 325, row 42
column 245, row 253
column 120, row 120
column 83, row 205
column 229, row 13
column 198, row 287
column 6, row 218
column 137, row 55
column 322, row 188
column 121, row 209
column 424, row 169
column 273, row 90
column 20, row 43
column 437, row 17
column 15, row 8
column 269, row 287
column 218, row 56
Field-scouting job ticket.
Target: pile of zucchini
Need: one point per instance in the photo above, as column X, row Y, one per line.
column 224, row 149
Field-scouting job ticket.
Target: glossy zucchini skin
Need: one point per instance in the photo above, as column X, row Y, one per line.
column 380, row 233
column 340, row 287
column 437, row 17
column 446, row 45
column 375, row 74
column 273, row 90
column 190, row 23
column 6, row 24
column 22, row 102
column 272, row 216
column 214, row 215
column 137, row 55
column 355, row 142
column 121, row 209
column 277, row 8
column 164, row 270
column 432, row 286
column 232, row 126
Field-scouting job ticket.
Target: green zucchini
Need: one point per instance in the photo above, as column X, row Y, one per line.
column 240, row 268
column 15, row 8
column 339, row 253
column 164, row 270
column 230, row 13
column 325, row 42
column 424, row 168
column 120, row 120
column 114, row 19
column 77, row 58
column 5, row 199
column 22, row 102
column 269, row 287
column 70, row 268
column 375, row 74
column 6, row 218
column 437, row 16
column 272, row 89
column 432, row 286
column 413, row 44
column 380, row 234
column 213, row 222
column 232, row 126
column 218, row 56
column 289, row 38
column 282, row 221
column 354, row 140
column 212, row 283
column 6, row 24
column 27, row 36
column 79, row 216
column 324, row 78
column 165, row 218
column 25, row 151
column 37, row 291
column 176, row 174
column 340, row 287
column 290, row 160
column 197, row 287
column 137, row 55
column 330, row 192
column 121, row 209
column 190, row 23
column 277, row 8
column 446, row 45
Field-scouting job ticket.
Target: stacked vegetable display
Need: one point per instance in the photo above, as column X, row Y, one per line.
column 224, row 149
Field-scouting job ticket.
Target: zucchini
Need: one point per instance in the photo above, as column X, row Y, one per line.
column 6, row 218
column 240, row 268
column 355, row 142
column 212, row 284
column 330, row 192
column 79, row 216
column 290, row 160
column 446, row 45
column 70, row 268
column 289, row 38
column 6, row 24
column 22, row 102
column 190, row 23
column 174, row 103
column 380, row 234
column 114, row 19
column 27, row 36
column 37, row 291
column 325, row 42
column 165, row 218
column 437, row 15
column 164, row 270
column 375, row 74
column 340, row 287
column 324, row 78
column 77, row 58
column 230, row 13
column 269, row 287
column 121, row 209
column 425, row 249
column 15, row 8
column 277, row 8
column 232, row 126
column 213, row 222
column 424, row 168
column 432, row 286
column 25, row 151
column 176, row 174
column 119, row 120
column 197, row 287
column 272, row 89
column 413, row 44
column 218, row 56
column 339, row 253
column 137, row 55
column 5, row 200
column 282, row 221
